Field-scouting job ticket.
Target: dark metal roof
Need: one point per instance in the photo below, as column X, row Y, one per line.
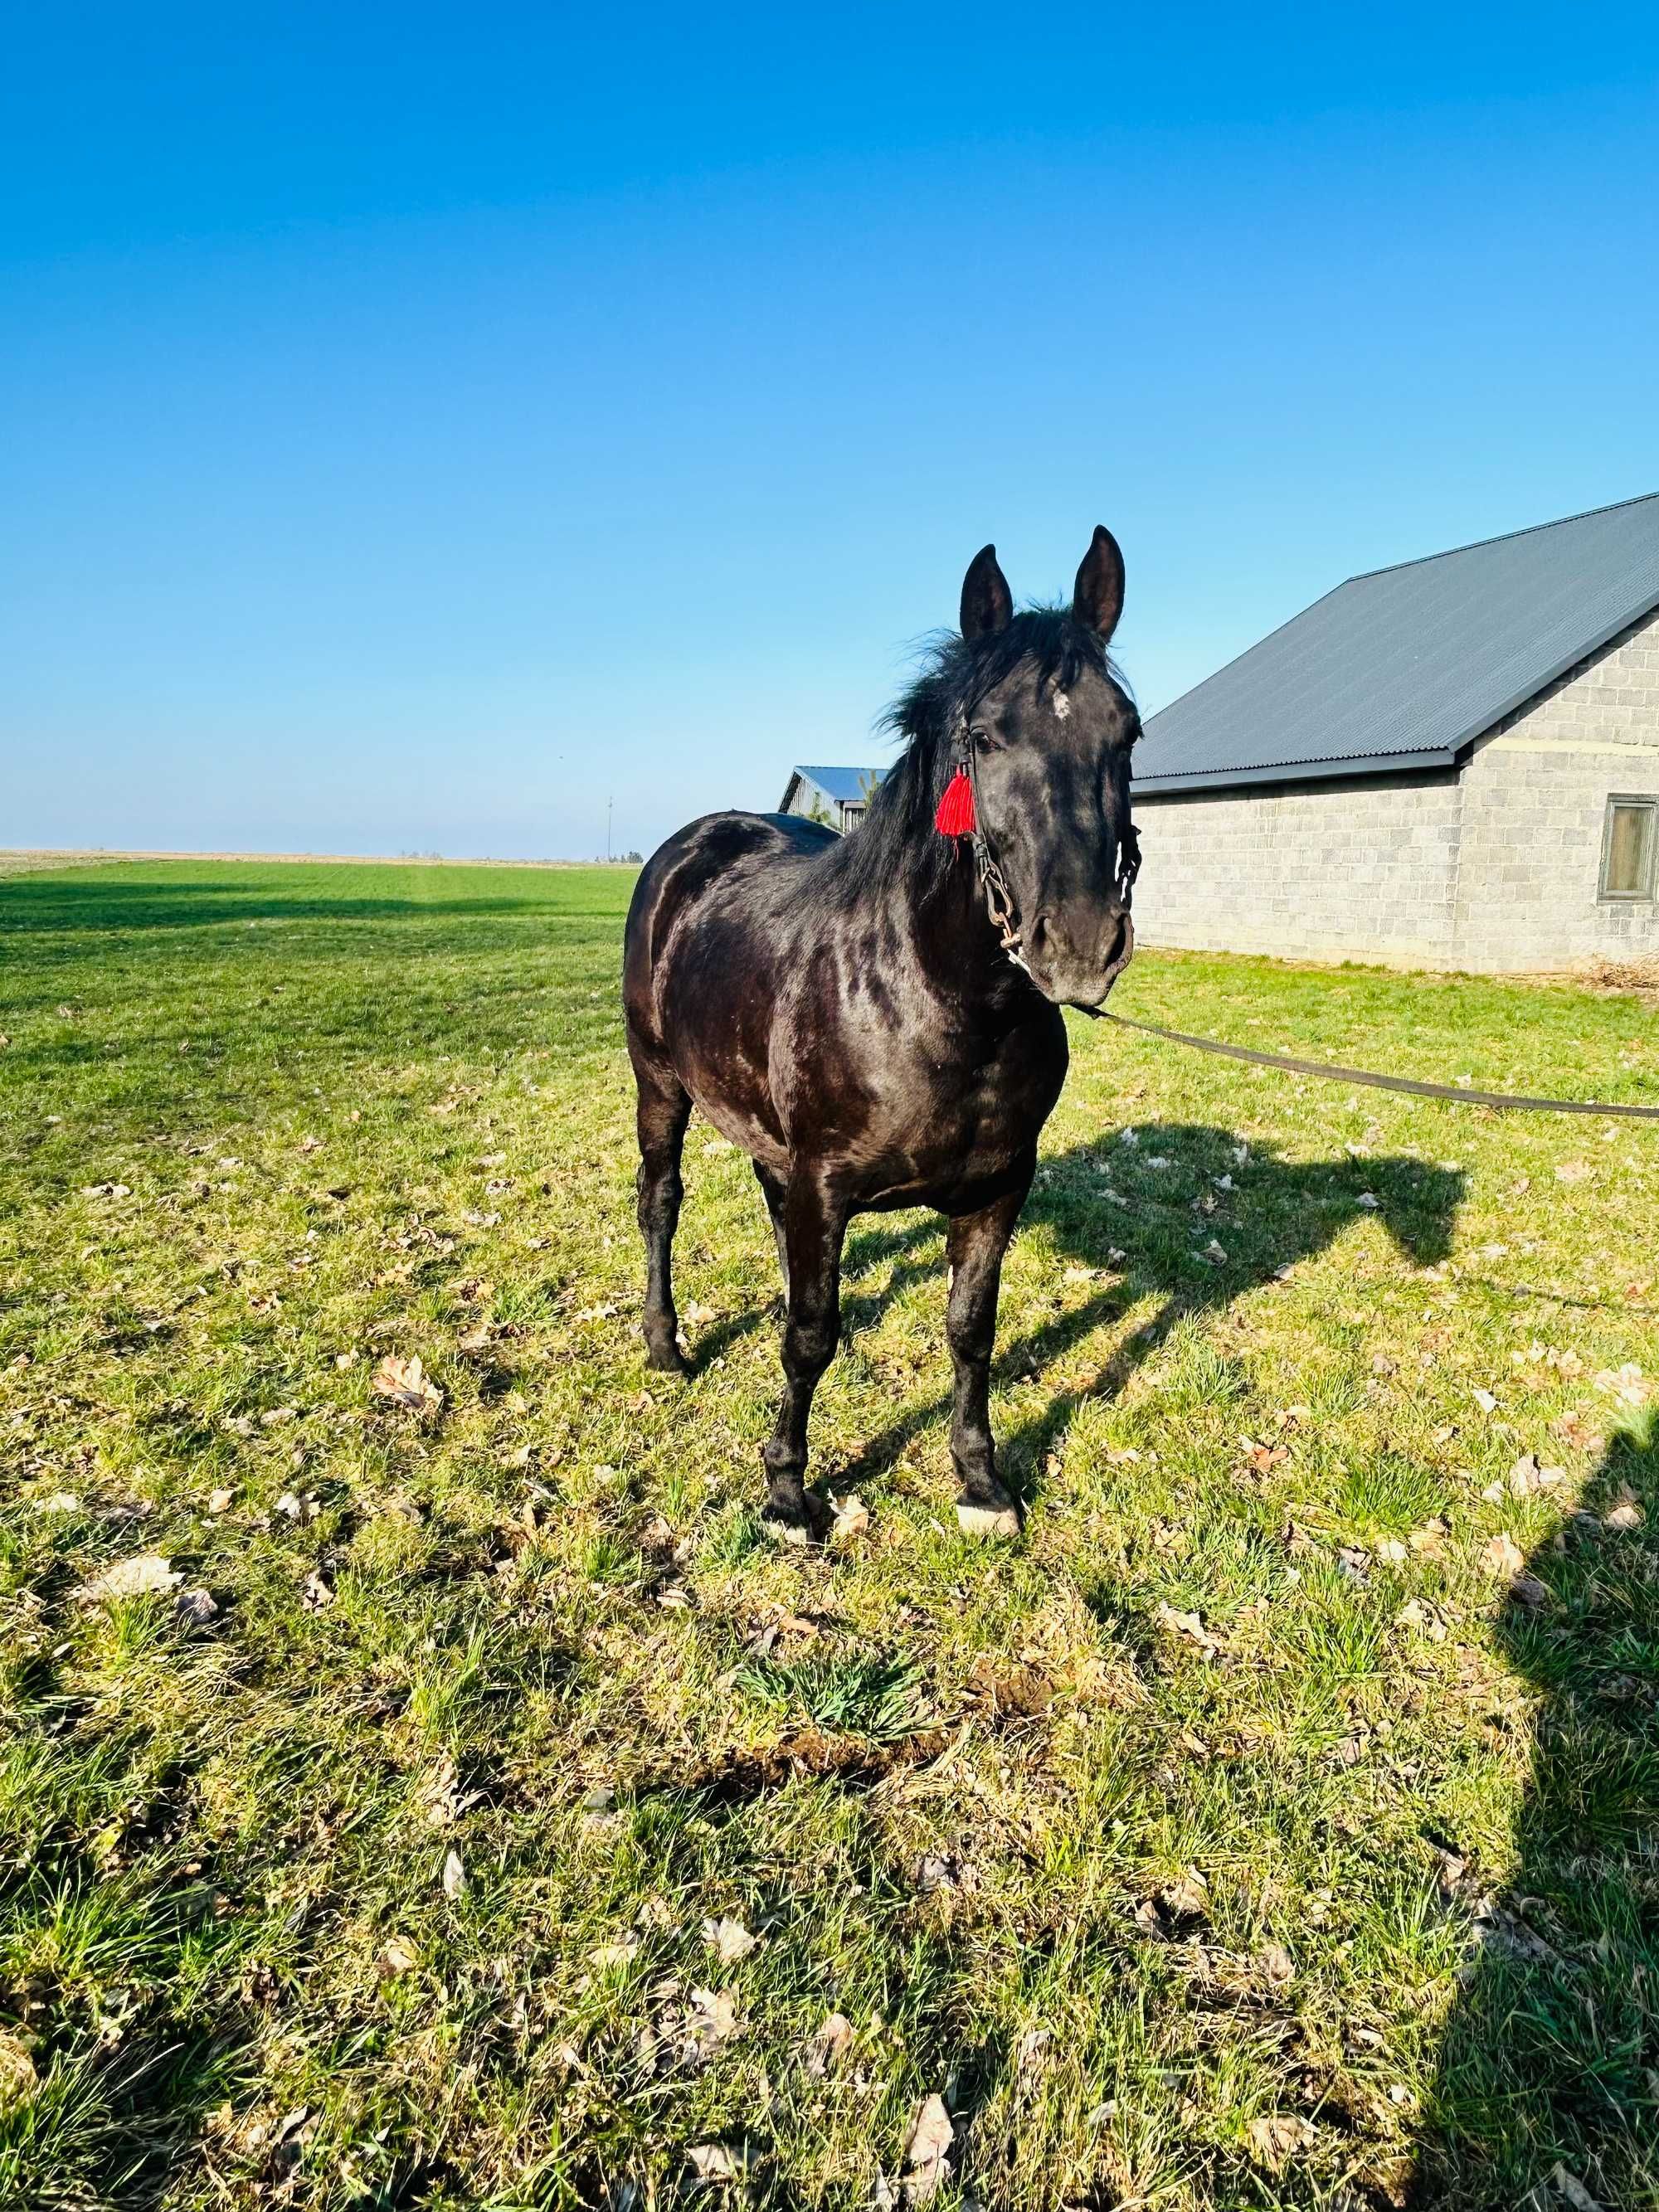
column 1404, row 667
column 847, row 786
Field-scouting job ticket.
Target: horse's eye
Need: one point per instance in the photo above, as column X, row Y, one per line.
column 981, row 736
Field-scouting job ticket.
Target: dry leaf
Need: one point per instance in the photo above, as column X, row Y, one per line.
column 1626, row 1514
column 1188, row 1898
column 1502, row 1555
column 454, row 1874
column 1190, row 1627
column 829, row 2044
column 729, row 1940
column 1425, row 1619
column 219, row 1501
column 315, row 1593
column 851, row 1518
column 1276, row 1964
column 1277, row 2137
column 711, row 2017
column 145, row 1576
column 1527, row 1590
column 1627, row 1384
column 926, row 2150
column 713, row 2162
column 611, row 1958
column 18, row 2076
column 1568, row 2185
column 397, row 1957
column 1523, row 1475
column 1485, row 1401
column 199, row 1607
column 407, row 1384
column 1262, row 1459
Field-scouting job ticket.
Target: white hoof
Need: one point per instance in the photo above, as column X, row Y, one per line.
column 987, row 1520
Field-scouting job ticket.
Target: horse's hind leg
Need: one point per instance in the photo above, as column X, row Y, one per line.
column 813, row 1226
column 975, row 1248
column 664, row 1108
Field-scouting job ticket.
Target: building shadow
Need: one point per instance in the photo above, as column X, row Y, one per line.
column 1550, row 2063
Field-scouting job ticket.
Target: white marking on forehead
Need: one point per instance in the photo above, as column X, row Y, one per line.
column 1062, row 706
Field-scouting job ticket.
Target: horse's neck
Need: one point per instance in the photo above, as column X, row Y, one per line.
column 947, row 933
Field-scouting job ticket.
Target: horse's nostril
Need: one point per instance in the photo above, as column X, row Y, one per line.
column 1122, row 940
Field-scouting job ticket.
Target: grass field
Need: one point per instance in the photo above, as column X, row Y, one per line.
column 488, row 1816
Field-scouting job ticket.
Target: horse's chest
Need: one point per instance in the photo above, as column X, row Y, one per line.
column 999, row 1105
column 947, row 1122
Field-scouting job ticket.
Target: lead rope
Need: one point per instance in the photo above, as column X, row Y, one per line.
column 1000, row 907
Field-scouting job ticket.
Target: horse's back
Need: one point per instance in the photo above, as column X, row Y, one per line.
column 714, row 852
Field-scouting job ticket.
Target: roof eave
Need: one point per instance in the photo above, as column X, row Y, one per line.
column 1223, row 779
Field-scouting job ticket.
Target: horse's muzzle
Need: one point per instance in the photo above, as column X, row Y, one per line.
column 1076, row 974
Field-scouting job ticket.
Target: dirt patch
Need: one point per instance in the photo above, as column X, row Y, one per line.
column 1640, row 976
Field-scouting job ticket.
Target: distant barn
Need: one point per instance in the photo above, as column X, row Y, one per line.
column 1452, row 763
column 836, row 796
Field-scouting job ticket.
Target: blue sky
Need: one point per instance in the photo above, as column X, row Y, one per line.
column 418, row 426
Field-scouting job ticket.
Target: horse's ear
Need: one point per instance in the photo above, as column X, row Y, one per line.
column 1097, row 595
column 986, row 602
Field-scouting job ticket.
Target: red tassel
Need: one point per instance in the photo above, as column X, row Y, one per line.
column 955, row 817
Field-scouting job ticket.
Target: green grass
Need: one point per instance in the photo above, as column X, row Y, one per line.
column 1216, row 1844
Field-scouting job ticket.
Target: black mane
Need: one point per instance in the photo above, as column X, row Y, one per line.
column 895, row 838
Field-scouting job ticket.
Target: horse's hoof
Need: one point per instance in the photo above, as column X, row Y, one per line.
column 667, row 1359
column 800, row 1520
column 975, row 1519
column 785, row 1531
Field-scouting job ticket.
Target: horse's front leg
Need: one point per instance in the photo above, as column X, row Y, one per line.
column 813, row 1225
column 975, row 1248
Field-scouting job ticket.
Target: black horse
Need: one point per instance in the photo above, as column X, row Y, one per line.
column 875, row 1019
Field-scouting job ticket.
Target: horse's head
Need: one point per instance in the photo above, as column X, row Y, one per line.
column 1049, row 730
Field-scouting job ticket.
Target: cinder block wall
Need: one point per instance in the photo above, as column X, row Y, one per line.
column 1353, row 869
column 1495, row 869
column 1535, row 812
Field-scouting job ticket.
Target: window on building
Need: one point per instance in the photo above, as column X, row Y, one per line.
column 1630, row 847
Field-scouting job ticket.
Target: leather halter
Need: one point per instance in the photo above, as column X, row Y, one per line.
column 998, row 899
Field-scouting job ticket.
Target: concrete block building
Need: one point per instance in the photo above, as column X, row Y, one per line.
column 1452, row 763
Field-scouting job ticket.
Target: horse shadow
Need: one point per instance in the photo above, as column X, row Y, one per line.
column 1186, row 1212
column 1550, row 2059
